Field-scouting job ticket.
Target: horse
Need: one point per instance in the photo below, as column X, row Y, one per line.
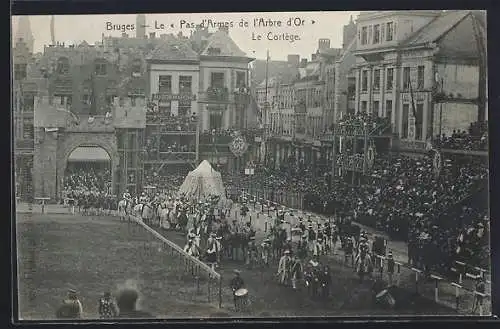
column 364, row 265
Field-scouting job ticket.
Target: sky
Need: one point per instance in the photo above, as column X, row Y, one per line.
column 311, row 27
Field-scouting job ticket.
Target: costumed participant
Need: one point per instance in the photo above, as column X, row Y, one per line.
column 284, row 267
column 107, row 306
column 236, row 284
column 212, row 251
column 252, row 252
column 296, row 271
column 265, row 251
column 302, row 247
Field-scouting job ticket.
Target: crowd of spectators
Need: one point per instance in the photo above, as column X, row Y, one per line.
column 363, row 119
column 225, row 136
column 172, row 122
column 86, row 180
column 403, row 197
column 476, row 139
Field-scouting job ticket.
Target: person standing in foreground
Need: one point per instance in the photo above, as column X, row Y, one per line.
column 127, row 304
column 71, row 307
column 107, row 307
column 236, row 284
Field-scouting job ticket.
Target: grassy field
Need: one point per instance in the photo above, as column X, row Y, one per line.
column 92, row 255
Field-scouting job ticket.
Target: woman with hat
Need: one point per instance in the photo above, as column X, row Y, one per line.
column 211, row 251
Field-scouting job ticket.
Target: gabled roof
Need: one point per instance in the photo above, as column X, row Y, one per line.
column 173, row 49
column 222, row 41
column 437, row 28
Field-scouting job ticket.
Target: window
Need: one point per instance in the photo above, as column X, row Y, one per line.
column 28, row 131
column 69, row 100
column 376, row 79
column 370, row 32
column 86, row 99
column 404, row 131
column 364, row 35
column 390, row 78
column 363, row 106
column 165, row 84
column 420, row 77
column 165, row 109
column 418, row 121
column 19, row 71
column 215, row 120
column 376, row 107
column 388, row 108
column 62, row 100
column 62, row 65
column 376, row 33
column 100, row 68
column 133, row 101
column 389, row 35
column 217, row 80
column 185, row 84
column 364, row 81
column 240, row 79
column 406, row 78
column 136, row 67
column 184, row 110
column 28, row 103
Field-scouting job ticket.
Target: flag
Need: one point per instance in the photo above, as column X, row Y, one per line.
column 92, row 100
column 417, row 120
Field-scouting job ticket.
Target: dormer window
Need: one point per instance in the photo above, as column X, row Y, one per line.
column 136, row 68
column 364, row 35
column 214, row 51
column 62, row 65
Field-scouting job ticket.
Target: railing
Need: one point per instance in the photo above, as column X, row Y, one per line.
column 215, row 139
column 172, row 124
column 219, row 96
column 24, row 144
column 412, row 145
column 204, row 284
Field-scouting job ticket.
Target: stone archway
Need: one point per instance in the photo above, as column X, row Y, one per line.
column 72, row 141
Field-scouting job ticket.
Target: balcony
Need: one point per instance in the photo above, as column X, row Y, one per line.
column 87, row 123
column 24, row 144
column 224, row 96
column 170, row 157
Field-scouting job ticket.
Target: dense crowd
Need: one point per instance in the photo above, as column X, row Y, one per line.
column 225, row 136
column 369, row 120
column 171, row 122
column 461, row 140
column 404, row 198
column 87, row 179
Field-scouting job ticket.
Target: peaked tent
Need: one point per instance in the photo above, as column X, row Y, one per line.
column 203, row 182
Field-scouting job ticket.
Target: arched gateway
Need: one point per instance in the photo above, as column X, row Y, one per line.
column 55, row 152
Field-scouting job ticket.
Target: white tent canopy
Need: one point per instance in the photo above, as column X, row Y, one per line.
column 203, row 182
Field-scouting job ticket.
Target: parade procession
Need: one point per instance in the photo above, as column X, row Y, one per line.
column 188, row 175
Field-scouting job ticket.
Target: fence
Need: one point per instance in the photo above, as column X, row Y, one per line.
column 293, row 200
column 200, row 284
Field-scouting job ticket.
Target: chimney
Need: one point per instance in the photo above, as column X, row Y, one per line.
column 303, row 62
column 323, row 44
column 293, row 60
column 152, row 35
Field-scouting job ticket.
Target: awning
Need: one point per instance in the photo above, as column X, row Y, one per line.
column 89, row 154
